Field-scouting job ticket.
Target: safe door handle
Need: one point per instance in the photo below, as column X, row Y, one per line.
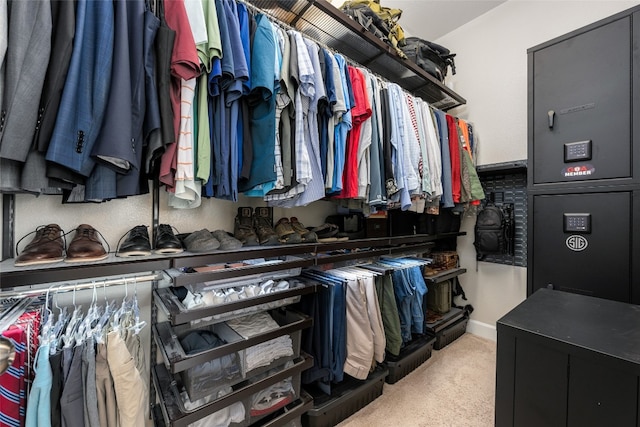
column 552, row 115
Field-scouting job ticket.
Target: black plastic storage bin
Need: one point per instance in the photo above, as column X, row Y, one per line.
column 451, row 333
column 449, row 327
column 410, row 358
column 347, row 399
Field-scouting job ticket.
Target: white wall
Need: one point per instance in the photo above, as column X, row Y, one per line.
column 114, row 218
column 492, row 76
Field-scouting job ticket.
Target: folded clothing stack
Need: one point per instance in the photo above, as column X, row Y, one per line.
column 264, row 353
column 202, row 379
column 234, row 413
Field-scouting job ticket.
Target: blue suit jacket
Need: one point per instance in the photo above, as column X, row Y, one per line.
column 119, row 142
column 86, row 89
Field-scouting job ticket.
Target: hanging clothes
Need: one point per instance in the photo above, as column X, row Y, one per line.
column 152, row 125
column 376, row 191
column 14, row 382
column 262, row 105
column 389, row 312
column 28, row 48
column 365, row 333
column 34, row 173
column 85, row 94
column 163, row 49
column 131, row 393
column 315, row 188
column 185, row 65
column 186, row 191
column 332, row 331
column 365, row 142
column 360, row 112
column 39, row 402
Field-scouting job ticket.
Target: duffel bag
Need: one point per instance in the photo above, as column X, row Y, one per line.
column 431, row 57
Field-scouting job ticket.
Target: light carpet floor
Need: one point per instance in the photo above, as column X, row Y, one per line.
column 454, row 388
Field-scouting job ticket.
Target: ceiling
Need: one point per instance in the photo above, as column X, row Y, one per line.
column 431, row 19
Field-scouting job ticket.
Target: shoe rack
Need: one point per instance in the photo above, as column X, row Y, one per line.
column 310, row 253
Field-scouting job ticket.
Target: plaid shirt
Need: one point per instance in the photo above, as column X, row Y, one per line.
column 305, row 91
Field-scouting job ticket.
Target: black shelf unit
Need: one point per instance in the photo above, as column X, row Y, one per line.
column 12, row 276
column 177, row 316
column 326, row 24
column 452, row 324
column 174, row 417
column 445, row 275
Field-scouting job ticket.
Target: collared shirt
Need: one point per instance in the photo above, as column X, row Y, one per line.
column 361, row 111
column 443, row 136
column 433, row 152
column 338, row 109
column 399, row 133
column 212, row 48
column 315, row 188
column 187, row 190
column 413, row 147
column 342, row 126
column 305, row 91
column 377, row 194
column 366, row 140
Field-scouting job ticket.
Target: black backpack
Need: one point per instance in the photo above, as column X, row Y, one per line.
column 429, row 56
column 494, row 230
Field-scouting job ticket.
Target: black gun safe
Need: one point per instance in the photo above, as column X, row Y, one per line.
column 584, row 161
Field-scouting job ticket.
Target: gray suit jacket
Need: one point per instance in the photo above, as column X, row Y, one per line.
column 26, row 64
column 27, row 56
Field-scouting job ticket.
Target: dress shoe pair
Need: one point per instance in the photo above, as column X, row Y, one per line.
column 48, row 246
column 137, row 242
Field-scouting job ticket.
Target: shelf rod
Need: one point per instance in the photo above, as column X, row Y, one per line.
column 81, row 286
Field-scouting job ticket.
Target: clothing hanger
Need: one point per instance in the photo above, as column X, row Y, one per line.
column 47, row 325
column 85, row 330
column 76, row 317
column 118, row 316
column 138, row 324
column 60, row 325
column 100, row 330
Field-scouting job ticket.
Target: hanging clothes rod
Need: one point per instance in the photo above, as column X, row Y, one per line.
column 81, row 286
column 275, row 20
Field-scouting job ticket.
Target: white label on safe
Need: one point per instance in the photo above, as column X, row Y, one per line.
column 577, row 243
column 578, row 171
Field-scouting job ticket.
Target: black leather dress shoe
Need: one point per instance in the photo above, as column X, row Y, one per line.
column 136, row 244
column 166, row 241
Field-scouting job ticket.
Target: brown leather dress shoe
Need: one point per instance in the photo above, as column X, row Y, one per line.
column 46, row 247
column 85, row 246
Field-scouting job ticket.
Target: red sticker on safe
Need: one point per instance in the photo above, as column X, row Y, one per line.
column 578, row 171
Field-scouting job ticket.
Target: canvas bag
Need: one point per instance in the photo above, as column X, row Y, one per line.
column 381, row 21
